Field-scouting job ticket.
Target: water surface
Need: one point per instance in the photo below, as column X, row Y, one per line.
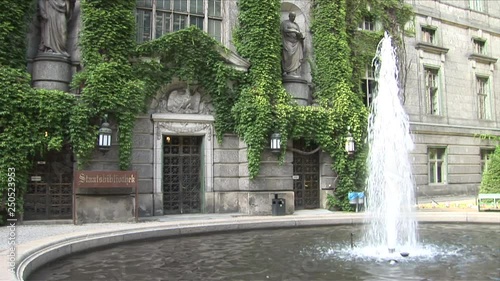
column 455, row 252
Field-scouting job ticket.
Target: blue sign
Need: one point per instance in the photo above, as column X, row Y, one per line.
column 355, row 195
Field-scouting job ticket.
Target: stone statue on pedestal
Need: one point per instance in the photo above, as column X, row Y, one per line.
column 293, row 46
column 54, row 16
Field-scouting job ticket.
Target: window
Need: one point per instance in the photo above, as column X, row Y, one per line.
column 477, row 5
column 368, row 85
column 479, row 46
column 483, row 98
column 485, row 156
column 429, row 35
column 157, row 17
column 437, row 165
column 368, row 23
column 432, row 91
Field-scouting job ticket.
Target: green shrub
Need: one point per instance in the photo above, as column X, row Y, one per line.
column 491, row 177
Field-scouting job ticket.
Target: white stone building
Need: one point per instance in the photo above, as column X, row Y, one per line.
column 453, row 92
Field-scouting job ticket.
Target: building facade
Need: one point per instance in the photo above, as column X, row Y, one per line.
column 452, row 92
column 451, row 97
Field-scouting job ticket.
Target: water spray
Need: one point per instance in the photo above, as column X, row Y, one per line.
column 390, row 183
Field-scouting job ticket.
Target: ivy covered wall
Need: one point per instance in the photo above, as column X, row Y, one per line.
column 108, row 81
column 116, row 82
column 32, row 121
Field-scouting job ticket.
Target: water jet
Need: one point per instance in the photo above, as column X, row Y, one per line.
column 390, row 187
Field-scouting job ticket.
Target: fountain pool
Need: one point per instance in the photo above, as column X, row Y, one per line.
column 455, row 252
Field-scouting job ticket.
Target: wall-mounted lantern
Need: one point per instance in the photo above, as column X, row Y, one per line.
column 104, row 137
column 276, row 142
column 349, row 142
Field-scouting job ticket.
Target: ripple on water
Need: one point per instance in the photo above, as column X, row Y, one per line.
column 450, row 252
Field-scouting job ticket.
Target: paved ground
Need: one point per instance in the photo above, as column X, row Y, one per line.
column 422, row 199
column 33, row 230
column 447, row 203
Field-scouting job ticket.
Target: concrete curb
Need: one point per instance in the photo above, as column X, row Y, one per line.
column 34, row 254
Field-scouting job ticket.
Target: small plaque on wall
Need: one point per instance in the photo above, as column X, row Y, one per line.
column 295, row 177
column 36, row 178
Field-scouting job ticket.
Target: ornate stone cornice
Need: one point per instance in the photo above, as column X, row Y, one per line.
column 482, row 58
column 234, row 60
column 182, row 118
column 183, row 127
column 430, row 48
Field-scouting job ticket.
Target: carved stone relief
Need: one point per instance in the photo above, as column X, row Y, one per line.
column 187, row 100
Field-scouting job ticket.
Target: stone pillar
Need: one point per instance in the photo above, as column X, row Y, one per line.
column 298, row 88
column 51, row 71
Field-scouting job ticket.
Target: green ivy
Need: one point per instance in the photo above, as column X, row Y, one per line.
column 192, row 56
column 254, row 106
column 391, row 16
column 332, row 79
column 262, row 99
column 32, row 122
column 109, row 86
column 14, row 20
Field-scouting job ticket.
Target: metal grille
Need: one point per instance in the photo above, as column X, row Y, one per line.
column 306, row 185
column 181, row 174
column 50, row 185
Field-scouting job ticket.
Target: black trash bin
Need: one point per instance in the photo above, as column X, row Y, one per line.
column 278, row 206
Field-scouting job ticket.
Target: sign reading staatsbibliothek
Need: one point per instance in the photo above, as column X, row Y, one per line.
column 105, row 179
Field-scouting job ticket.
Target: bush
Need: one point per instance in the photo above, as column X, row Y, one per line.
column 491, row 177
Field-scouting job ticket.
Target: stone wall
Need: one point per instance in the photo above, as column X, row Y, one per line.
column 233, row 189
column 457, row 127
column 462, row 160
column 142, row 162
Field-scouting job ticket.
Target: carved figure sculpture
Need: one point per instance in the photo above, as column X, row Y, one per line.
column 54, row 16
column 181, row 101
column 292, row 40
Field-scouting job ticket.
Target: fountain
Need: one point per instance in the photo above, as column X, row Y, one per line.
column 450, row 252
column 390, row 185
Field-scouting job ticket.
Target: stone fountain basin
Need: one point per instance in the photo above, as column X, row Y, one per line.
column 32, row 255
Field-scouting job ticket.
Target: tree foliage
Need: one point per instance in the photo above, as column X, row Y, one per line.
column 491, row 177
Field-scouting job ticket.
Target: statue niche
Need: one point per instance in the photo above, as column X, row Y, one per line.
column 183, row 100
